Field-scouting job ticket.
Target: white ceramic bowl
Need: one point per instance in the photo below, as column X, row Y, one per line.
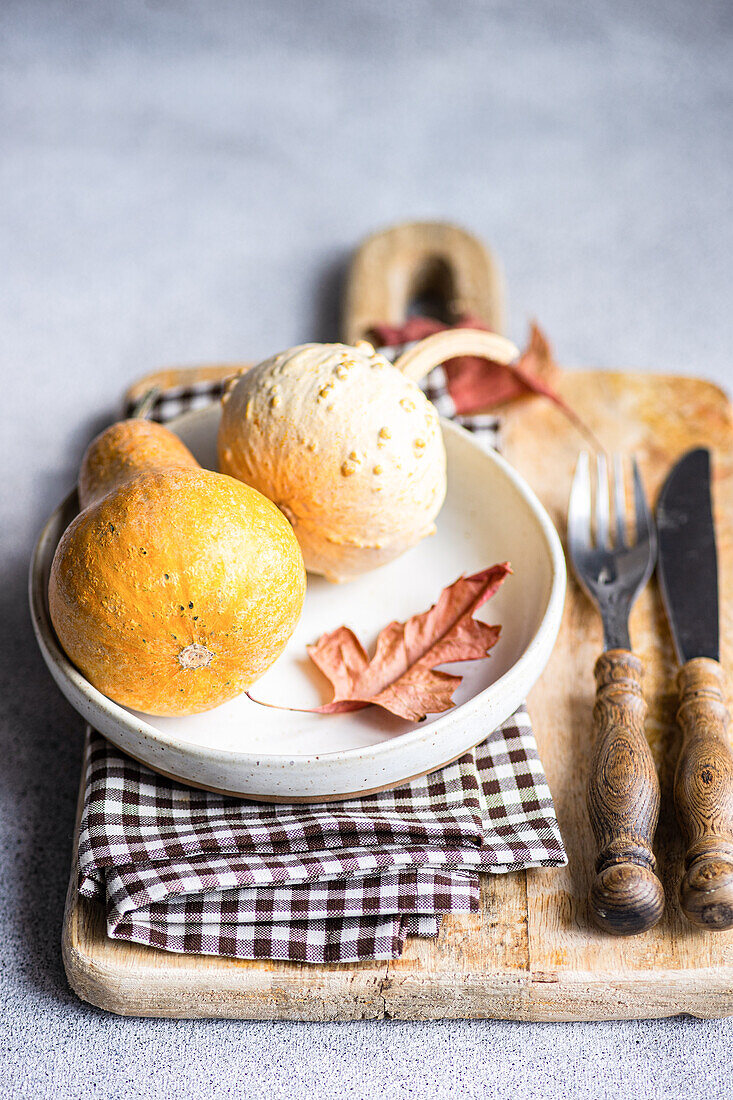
column 490, row 515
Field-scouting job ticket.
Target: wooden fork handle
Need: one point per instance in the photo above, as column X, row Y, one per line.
column 703, row 791
column 626, row 896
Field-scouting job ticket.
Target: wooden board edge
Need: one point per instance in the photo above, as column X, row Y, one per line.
column 562, row 998
column 112, row 976
column 721, row 397
column 259, row 993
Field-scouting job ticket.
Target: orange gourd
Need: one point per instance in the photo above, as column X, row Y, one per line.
column 175, row 587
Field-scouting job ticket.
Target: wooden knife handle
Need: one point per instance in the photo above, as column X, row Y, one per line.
column 703, row 791
column 623, row 801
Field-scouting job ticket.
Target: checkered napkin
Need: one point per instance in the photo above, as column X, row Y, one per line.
column 187, row 870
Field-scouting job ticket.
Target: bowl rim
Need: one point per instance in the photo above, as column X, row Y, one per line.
column 54, row 655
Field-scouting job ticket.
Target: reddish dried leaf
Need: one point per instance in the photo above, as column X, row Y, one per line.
column 401, row 676
column 536, row 369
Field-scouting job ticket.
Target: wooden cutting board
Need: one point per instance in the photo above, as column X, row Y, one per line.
column 532, row 952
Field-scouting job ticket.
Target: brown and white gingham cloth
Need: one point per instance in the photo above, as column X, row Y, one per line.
column 187, row 870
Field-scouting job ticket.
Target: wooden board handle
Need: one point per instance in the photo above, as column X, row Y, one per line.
column 703, row 791
column 626, row 896
column 421, row 260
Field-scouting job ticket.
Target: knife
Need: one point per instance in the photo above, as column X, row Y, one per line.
column 703, row 786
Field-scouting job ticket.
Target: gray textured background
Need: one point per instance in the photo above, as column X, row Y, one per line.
column 184, row 181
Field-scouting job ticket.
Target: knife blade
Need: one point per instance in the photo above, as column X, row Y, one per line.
column 703, row 787
column 688, row 560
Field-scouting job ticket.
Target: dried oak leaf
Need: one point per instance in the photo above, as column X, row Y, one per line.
column 401, row 676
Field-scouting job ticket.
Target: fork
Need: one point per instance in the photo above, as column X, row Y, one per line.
column 626, row 896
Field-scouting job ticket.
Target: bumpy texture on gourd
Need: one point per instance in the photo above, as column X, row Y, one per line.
column 176, row 587
column 345, row 445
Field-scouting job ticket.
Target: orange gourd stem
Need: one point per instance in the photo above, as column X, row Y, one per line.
column 144, row 406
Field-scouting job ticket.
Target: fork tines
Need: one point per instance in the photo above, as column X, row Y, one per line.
column 612, row 573
column 610, row 493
